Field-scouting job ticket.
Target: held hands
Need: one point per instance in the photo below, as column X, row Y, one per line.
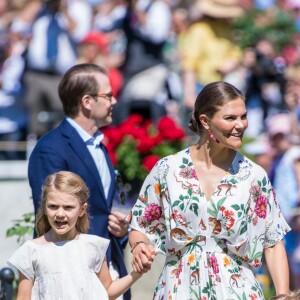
column 143, row 257
column 117, row 224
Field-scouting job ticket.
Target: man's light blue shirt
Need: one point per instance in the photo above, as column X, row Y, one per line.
column 93, row 145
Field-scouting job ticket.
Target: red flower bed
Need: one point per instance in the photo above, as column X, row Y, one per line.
column 137, row 144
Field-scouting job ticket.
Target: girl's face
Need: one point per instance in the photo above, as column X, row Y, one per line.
column 229, row 124
column 63, row 211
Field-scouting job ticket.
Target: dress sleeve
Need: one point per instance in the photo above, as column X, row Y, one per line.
column 276, row 225
column 148, row 211
column 101, row 248
column 22, row 260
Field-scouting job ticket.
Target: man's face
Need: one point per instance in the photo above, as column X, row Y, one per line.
column 102, row 104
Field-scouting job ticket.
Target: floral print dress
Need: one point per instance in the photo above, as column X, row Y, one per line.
column 211, row 245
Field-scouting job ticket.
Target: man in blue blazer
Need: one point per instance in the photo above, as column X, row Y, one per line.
column 75, row 145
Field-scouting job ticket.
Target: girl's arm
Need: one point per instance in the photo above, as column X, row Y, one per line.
column 119, row 286
column 277, row 263
column 24, row 287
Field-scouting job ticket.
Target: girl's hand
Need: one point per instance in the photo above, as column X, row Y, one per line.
column 143, row 257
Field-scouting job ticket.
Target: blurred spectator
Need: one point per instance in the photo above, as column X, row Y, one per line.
column 6, row 14
column 173, row 53
column 261, row 152
column 210, row 51
column 293, row 6
column 264, row 4
column 13, row 120
column 265, row 86
column 56, row 31
column 108, row 19
column 292, row 99
column 146, row 26
column 291, row 51
column 80, row 14
column 285, row 177
column 24, row 17
column 94, row 48
column 241, row 74
column 177, row 37
column 109, row 15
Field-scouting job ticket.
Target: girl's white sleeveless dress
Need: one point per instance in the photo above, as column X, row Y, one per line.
column 63, row 270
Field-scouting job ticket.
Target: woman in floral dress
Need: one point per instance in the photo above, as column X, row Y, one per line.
column 211, row 211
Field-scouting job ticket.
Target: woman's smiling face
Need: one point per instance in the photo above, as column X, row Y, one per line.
column 63, row 210
column 229, row 123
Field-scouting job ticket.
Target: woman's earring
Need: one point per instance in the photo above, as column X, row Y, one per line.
column 211, row 135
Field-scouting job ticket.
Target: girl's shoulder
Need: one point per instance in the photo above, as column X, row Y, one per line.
column 94, row 245
column 28, row 245
column 25, row 250
column 94, row 239
column 22, row 259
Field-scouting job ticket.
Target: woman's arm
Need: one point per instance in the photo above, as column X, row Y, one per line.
column 24, row 288
column 277, row 263
column 117, row 287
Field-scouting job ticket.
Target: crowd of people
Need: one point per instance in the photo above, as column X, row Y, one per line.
column 153, row 52
column 72, row 67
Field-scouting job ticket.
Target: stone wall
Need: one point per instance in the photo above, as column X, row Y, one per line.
column 14, row 202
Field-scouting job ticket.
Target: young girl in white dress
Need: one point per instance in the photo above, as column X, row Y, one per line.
column 65, row 263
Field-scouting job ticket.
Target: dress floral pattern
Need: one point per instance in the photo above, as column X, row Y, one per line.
column 211, row 245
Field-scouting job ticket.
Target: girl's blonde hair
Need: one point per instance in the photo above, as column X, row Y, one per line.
column 67, row 182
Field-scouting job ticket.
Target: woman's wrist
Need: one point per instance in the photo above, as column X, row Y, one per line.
column 135, row 244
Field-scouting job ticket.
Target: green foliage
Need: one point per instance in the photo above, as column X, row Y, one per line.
column 22, row 227
column 276, row 25
column 269, row 293
column 129, row 159
column 167, row 148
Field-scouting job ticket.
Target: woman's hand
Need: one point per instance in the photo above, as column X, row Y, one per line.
column 143, row 257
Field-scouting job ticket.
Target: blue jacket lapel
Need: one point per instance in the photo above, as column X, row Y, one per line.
column 80, row 148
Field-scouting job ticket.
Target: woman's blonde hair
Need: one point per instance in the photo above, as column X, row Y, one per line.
column 67, row 182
